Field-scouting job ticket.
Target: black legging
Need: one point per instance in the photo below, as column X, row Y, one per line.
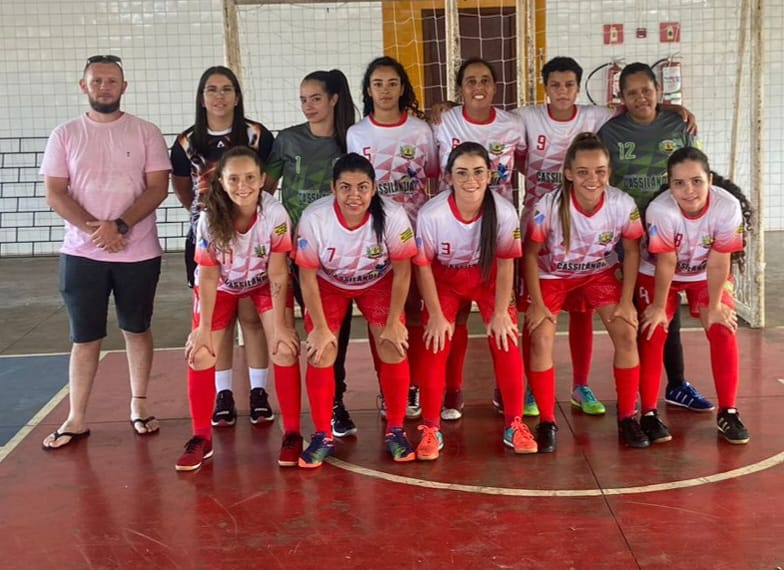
column 673, row 352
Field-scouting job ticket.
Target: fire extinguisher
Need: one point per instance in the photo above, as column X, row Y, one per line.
column 671, row 81
column 613, row 84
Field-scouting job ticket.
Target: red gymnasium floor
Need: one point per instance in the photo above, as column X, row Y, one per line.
column 114, row 500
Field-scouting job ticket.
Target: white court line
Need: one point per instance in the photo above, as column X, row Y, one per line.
column 39, row 416
column 505, row 491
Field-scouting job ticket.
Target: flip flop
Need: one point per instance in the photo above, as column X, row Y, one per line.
column 144, row 422
column 73, row 435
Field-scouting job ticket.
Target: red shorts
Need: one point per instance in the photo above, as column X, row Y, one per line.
column 226, row 305
column 373, row 302
column 696, row 294
column 579, row 294
column 458, row 287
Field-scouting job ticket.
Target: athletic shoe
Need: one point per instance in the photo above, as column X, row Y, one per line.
column 196, row 451
column 631, row 433
column 290, row 450
column 519, row 437
column 583, row 398
column 319, row 449
column 654, row 428
column 730, row 426
column 260, row 410
column 687, row 396
column 398, row 446
column 431, row 443
column 413, row 410
column 545, row 437
column 453, row 405
column 530, row 409
column 225, row 413
column 498, row 401
column 342, row 425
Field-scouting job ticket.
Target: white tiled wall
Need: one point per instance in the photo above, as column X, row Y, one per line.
column 166, row 44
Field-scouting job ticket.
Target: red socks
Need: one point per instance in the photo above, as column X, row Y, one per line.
column 543, row 386
column 320, row 384
column 581, row 346
column 395, row 380
column 454, row 366
column 201, row 400
column 651, row 365
column 725, row 364
column 627, row 381
column 432, row 382
column 289, row 391
column 508, row 368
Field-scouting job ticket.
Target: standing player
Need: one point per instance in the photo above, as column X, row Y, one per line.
column 569, row 248
column 468, row 239
column 695, row 229
column 640, row 142
column 242, row 246
column 500, row 132
column 302, row 159
column 220, row 124
column 400, row 146
column 356, row 246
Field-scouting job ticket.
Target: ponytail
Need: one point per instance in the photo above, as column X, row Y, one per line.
column 738, row 257
column 376, row 210
column 488, row 235
column 335, row 83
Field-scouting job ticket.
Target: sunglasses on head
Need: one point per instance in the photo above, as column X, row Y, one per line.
column 104, row 59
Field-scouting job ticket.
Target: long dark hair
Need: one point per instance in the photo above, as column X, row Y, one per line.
column 690, row 153
column 488, row 233
column 583, row 141
column 335, row 83
column 353, row 162
column 407, row 103
column 219, row 207
column 239, row 130
column 471, row 61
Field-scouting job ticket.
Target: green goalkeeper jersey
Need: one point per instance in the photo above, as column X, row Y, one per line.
column 639, row 153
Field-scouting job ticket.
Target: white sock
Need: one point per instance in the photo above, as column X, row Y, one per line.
column 223, row 379
column 258, row 377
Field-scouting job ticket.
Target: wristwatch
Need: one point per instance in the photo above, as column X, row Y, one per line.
column 122, row 227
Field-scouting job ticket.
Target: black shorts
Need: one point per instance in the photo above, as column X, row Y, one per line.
column 85, row 285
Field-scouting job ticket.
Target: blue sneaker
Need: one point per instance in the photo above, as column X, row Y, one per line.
column 687, row 396
column 530, row 409
column 398, row 446
column 319, row 449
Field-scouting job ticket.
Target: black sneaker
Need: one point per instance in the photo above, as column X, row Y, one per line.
column 631, row 433
column 260, row 410
column 225, row 413
column 545, row 437
column 654, row 428
column 342, row 425
column 730, row 426
column 498, row 401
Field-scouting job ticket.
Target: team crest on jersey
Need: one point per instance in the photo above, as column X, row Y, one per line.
column 496, row 148
column 302, row 243
column 281, row 229
column 374, row 251
column 605, row 238
column 706, row 242
column 635, row 215
column 668, row 146
column 408, row 151
column 407, row 234
column 260, row 250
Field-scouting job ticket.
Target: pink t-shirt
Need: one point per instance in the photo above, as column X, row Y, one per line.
column 105, row 164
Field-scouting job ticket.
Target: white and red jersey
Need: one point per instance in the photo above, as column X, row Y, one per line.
column 547, row 140
column 352, row 258
column 592, row 237
column 403, row 156
column 719, row 227
column 244, row 266
column 502, row 136
column 443, row 237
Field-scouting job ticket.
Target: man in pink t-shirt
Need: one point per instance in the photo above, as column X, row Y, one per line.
column 105, row 173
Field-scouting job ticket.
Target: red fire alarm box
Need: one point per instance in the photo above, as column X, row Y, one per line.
column 613, row 34
column 669, row 32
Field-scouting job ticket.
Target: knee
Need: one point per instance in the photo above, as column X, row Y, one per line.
column 203, row 360
column 284, row 356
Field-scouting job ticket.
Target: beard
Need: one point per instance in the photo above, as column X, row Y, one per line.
column 104, row 108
